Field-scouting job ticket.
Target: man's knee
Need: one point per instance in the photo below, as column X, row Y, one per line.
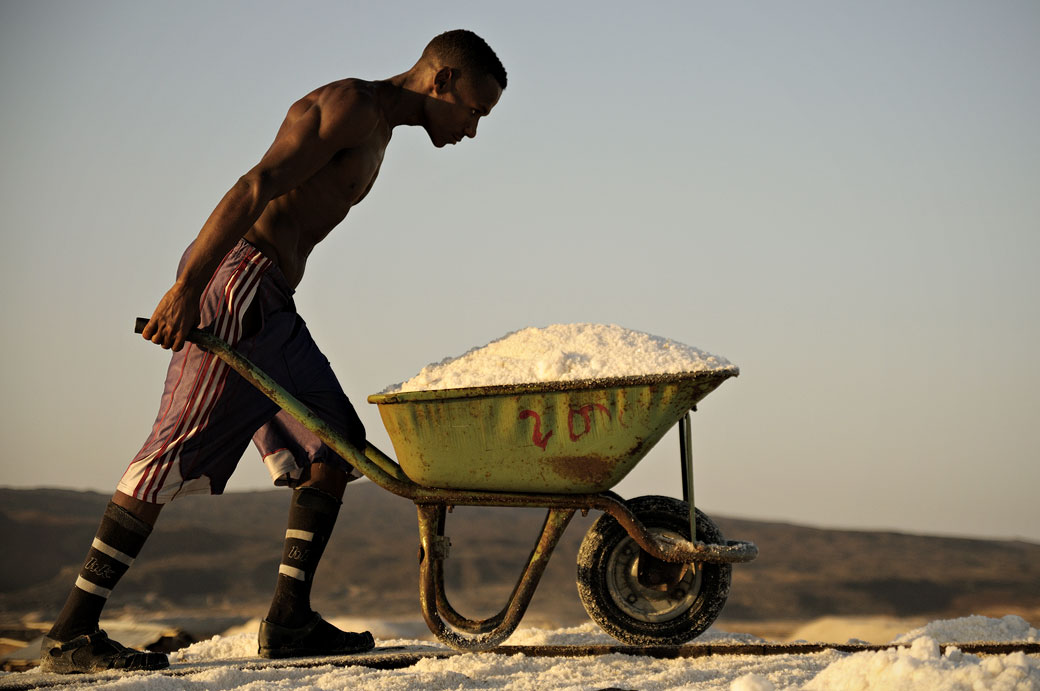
column 327, row 477
column 143, row 510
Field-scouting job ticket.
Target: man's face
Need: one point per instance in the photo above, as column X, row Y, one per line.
column 457, row 103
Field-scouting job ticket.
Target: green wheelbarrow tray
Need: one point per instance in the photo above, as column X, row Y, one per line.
column 556, row 446
column 576, row 437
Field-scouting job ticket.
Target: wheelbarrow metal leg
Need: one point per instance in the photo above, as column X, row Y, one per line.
column 686, row 452
column 483, row 634
column 447, row 612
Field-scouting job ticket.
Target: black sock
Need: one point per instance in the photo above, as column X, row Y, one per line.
column 312, row 514
column 119, row 540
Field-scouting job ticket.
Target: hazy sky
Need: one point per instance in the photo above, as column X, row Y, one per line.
column 841, row 198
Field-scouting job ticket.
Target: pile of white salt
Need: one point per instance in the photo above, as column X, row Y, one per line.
column 563, row 352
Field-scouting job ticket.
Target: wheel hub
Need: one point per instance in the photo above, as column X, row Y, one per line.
column 648, row 589
column 659, row 575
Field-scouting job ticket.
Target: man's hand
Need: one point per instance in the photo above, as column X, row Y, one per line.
column 173, row 319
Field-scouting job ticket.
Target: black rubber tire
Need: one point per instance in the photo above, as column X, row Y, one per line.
column 641, row 616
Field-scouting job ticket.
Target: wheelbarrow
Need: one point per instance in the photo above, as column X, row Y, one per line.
column 651, row 571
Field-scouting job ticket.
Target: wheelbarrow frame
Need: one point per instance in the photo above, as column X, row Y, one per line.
column 433, row 504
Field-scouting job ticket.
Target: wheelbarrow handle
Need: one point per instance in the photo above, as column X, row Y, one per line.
column 142, row 322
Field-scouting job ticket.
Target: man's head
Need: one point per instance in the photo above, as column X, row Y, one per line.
column 466, row 51
column 464, row 81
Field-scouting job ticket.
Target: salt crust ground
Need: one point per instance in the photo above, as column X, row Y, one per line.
column 915, row 663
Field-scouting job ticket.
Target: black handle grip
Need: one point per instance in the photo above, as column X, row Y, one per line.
column 140, row 324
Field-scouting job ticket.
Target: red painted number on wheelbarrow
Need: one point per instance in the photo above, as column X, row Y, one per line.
column 586, row 416
column 537, row 437
column 585, row 413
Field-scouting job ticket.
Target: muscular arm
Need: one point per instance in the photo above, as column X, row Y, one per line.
column 316, row 127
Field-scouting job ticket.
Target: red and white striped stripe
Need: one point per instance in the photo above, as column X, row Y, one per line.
column 208, row 382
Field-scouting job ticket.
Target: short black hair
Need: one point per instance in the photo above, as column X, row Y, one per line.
column 467, row 49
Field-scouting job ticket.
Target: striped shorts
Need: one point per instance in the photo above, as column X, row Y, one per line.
column 208, row 412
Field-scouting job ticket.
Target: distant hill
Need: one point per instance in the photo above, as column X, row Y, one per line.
column 222, row 553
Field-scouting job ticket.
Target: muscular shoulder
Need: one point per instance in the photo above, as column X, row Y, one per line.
column 345, row 111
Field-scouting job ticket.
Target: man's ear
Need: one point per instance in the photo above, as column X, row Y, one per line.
column 442, row 80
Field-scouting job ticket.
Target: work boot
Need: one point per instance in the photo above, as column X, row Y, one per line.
column 95, row 652
column 316, row 637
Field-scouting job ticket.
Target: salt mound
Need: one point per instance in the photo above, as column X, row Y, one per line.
column 1009, row 629
column 583, row 634
column 226, row 647
column 563, row 352
column 923, row 666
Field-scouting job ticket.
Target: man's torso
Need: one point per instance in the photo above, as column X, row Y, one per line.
column 293, row 223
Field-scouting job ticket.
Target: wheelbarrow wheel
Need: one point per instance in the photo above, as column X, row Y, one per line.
column 640, row 600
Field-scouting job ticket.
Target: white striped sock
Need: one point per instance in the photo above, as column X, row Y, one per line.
column 112, row 552
column 84, row 584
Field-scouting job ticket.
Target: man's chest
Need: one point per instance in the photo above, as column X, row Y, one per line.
column 349, row 176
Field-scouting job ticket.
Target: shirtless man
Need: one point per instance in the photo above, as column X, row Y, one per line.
column 237, row 278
